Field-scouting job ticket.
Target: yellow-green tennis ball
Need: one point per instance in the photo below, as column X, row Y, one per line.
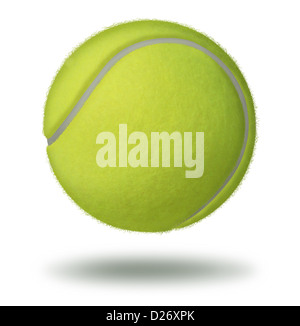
column 150, row 126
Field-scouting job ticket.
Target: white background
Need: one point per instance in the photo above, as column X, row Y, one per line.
column 246, row 253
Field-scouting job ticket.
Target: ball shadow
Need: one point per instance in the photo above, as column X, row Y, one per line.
column 150, row 269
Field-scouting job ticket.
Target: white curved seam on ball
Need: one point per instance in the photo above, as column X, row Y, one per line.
column 142, row 44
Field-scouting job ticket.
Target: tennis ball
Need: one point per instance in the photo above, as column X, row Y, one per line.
column 150, row 126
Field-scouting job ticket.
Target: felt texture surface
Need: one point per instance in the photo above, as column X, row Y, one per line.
column 161, row 87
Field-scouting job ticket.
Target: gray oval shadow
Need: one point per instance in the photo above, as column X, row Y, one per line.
column 147, row 269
